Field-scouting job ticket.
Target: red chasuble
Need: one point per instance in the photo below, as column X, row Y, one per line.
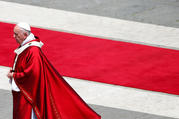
column 44, row 89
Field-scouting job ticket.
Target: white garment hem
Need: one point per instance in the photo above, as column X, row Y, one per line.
column 33, row 116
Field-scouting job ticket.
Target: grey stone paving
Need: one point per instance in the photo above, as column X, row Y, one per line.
column 105, row 112
column 161, row 12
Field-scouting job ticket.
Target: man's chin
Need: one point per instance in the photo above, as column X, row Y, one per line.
column 17, row 42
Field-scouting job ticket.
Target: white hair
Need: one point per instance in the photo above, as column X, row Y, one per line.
column 25, row 31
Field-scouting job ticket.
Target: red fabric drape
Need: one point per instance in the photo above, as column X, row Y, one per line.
column 46, row 91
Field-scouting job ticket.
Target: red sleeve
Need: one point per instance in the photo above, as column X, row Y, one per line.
column 18, row 75
column 32, row 66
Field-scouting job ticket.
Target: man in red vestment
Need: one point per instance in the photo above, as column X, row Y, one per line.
column 39, row 91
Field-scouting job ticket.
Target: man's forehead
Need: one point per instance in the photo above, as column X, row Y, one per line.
column 17, row 28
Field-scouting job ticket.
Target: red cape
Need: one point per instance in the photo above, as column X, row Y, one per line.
column 45, row 89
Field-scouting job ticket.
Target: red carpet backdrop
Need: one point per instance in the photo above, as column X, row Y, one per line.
column 102, row 60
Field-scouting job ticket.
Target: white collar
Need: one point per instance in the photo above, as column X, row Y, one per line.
column 33, row 43
column 29, row 38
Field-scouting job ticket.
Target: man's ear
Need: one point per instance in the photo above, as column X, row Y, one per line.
column 25, row 34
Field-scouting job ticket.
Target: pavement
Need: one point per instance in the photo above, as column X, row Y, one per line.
column 105, row 112
column 160, row 12
column 111, row 102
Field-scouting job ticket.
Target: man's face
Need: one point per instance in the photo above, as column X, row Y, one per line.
column 19, row 35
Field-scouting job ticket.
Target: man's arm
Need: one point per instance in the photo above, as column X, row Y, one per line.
column 10, row 75
column 32, row 65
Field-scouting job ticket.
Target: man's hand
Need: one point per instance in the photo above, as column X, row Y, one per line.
column 10, row 75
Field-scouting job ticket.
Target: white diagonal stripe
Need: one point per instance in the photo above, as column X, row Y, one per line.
column 117, row 96
column 115, row 29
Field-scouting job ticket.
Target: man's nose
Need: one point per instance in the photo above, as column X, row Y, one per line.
column 15, row 36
